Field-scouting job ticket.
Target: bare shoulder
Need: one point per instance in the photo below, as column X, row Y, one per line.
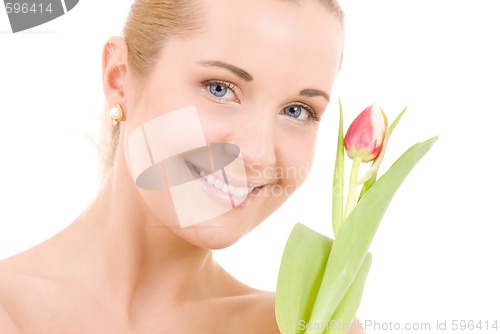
column 266, row 302
column 7, row 324
column 23, row 294
column 355, row 327
column 258, row 314
column 261, row 317
column 243, row 310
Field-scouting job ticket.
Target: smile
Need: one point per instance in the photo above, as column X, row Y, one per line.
column 222, row 188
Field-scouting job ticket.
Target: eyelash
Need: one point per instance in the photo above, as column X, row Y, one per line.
column 313, row 116
column 230, row 86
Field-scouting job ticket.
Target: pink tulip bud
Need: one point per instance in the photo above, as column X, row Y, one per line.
column 365, row 137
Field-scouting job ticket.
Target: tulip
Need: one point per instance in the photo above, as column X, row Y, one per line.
column 365, row 141
column 365, row 137
column 321, row 280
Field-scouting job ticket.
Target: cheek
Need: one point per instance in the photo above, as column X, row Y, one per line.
column 160, row 204
column 165, row 156
column 296, row 159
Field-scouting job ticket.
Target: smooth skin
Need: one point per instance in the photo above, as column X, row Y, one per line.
column 123, row 266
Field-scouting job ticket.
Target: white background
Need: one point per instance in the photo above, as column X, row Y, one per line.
column 436, row 251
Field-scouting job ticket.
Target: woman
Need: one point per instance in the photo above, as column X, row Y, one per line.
column 211, row 103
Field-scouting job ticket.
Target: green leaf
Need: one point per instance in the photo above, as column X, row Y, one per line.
column 301, row 270
column 373, row 178
column 357, row 232
column 338, row 177
column 396, row 121
column 345, row 313
column 367, row 185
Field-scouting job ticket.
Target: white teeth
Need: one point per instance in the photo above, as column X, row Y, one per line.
column 210, row 179
column 241, row 192
column 221, row 185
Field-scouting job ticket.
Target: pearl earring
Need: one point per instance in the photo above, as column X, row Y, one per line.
column 116, row 114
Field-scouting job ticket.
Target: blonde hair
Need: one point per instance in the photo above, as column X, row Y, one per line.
column 149, row 25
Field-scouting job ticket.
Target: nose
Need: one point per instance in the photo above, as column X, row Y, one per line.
column 256, row 137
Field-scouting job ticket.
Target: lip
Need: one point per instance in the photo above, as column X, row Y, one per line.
column 219, row 195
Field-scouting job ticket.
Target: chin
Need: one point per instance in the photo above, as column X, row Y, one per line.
column 220, row 232
column 218, row 236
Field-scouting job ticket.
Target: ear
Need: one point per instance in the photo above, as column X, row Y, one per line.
column 114, row 70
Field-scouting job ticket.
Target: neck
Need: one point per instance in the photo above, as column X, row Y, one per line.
column 126, row 255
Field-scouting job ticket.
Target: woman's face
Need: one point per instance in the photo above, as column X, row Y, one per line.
column 254, row 82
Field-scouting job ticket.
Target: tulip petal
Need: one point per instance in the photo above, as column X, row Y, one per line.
column 380, row 155
column 365, row 135
column 369, row 182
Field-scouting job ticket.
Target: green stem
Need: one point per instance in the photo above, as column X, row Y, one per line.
column 338, row 178
column 353, row 187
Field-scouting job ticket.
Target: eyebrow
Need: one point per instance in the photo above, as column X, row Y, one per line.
column 248, row 77
column 236, row 70
column 314, row 92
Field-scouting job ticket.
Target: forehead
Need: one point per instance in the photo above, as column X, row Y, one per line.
column 302, row 41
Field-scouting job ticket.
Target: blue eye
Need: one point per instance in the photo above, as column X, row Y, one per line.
column 218, row 90
column 297, row 111
column 221, row 91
